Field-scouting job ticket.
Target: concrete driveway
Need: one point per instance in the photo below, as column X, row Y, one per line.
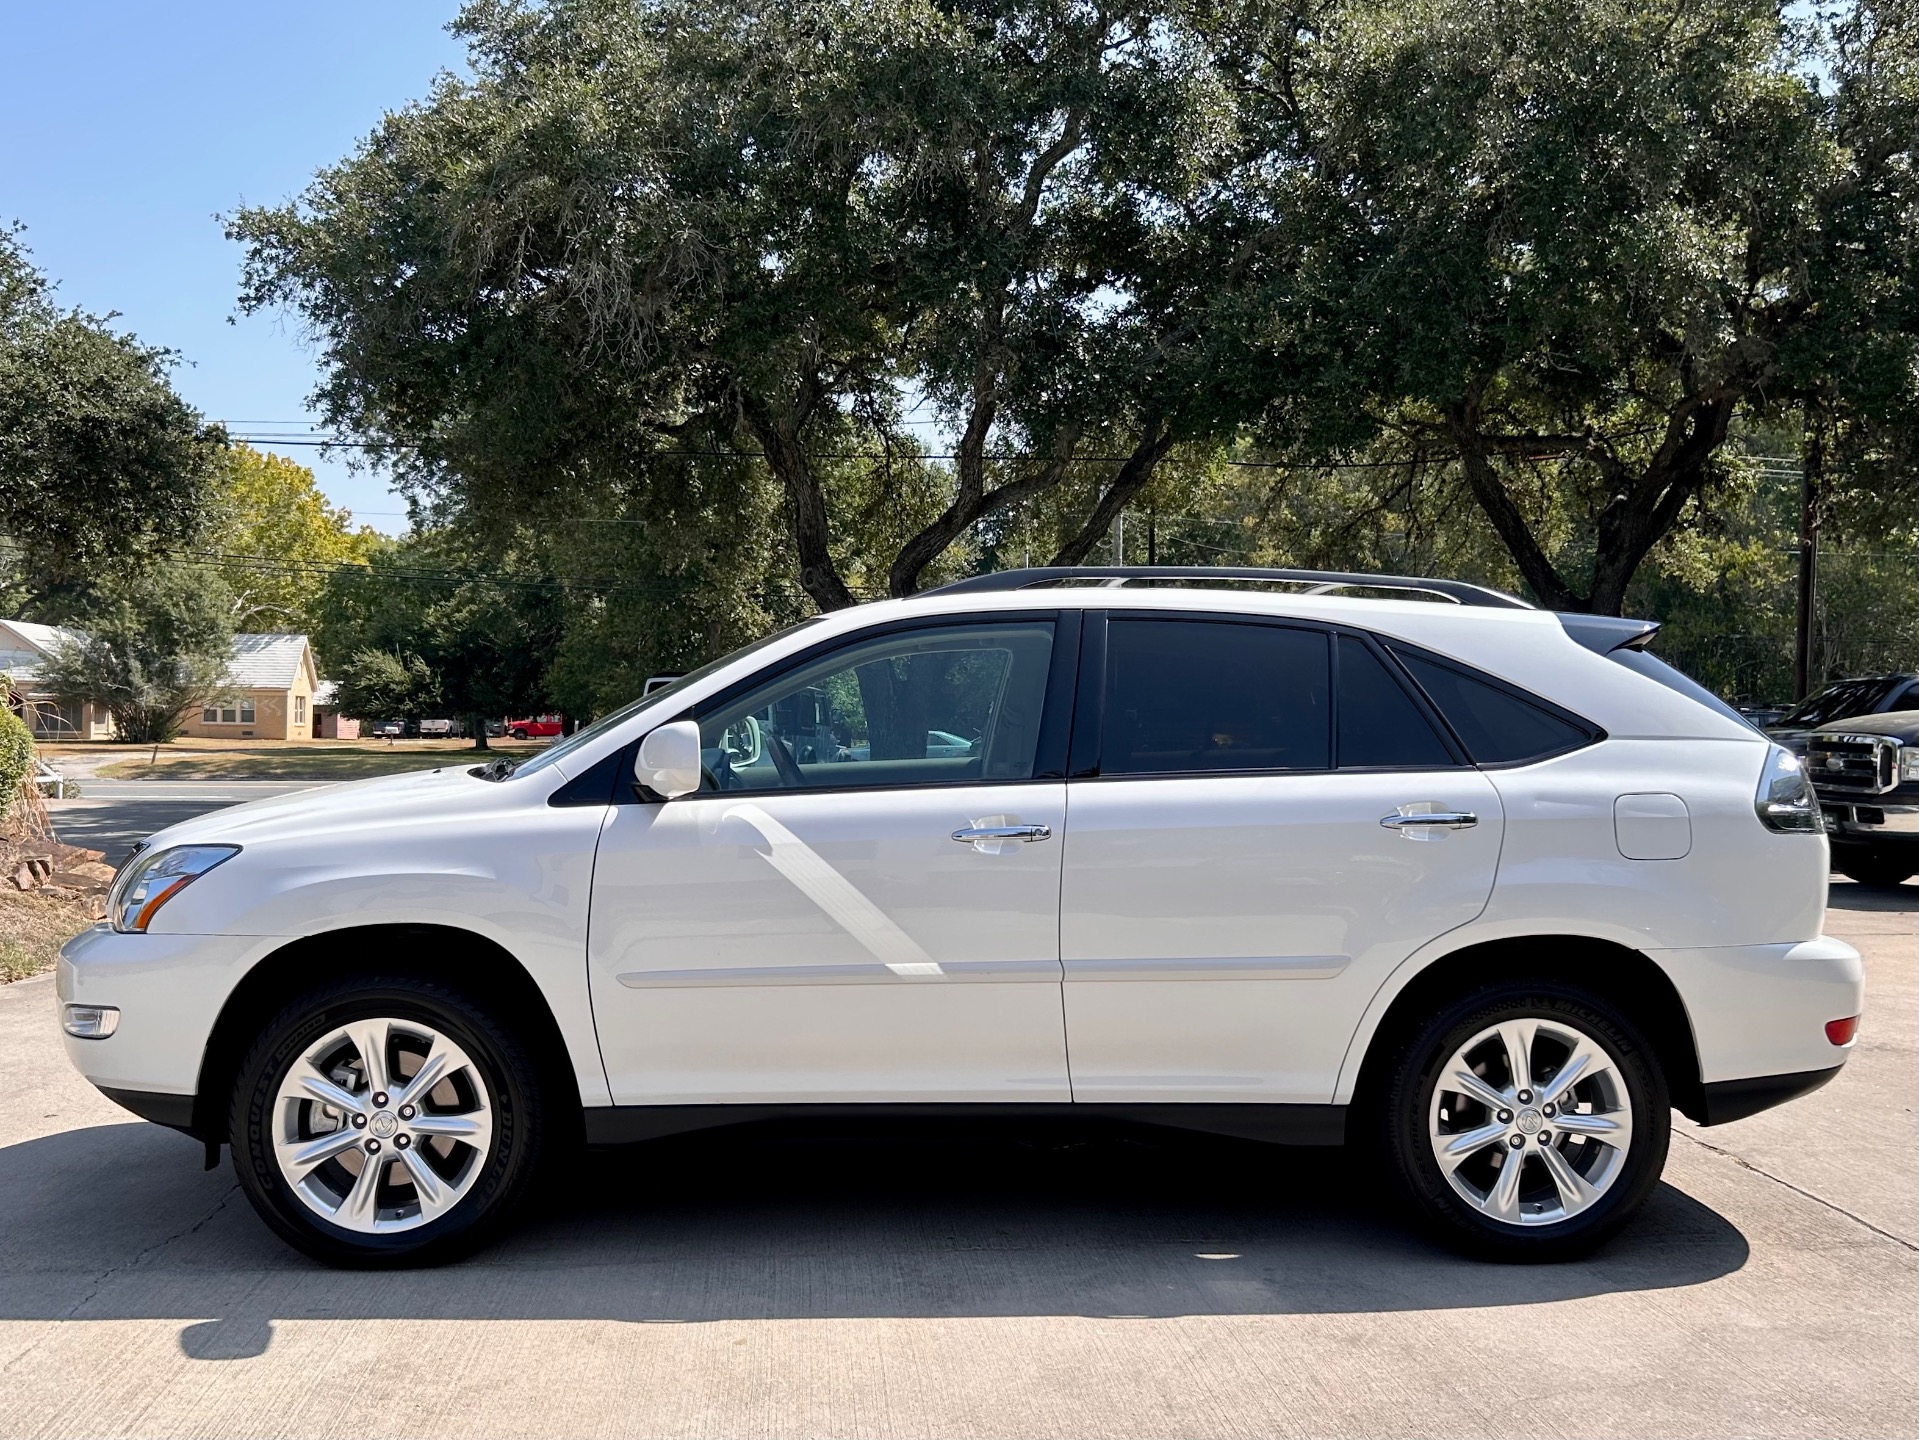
column 912, row 1281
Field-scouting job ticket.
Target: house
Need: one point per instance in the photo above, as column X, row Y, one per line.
column 269, row 695
column 328, row 722
column 23, row 645
column 269, row 692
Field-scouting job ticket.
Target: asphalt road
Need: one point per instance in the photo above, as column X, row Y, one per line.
column 909, row 1281
column 112, row 815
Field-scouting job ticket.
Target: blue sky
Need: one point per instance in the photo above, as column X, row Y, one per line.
column 125, row 129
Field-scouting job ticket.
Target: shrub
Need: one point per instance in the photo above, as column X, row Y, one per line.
column 16, row 759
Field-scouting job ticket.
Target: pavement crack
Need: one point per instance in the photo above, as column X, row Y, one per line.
column 1764, row 1174
column 99, row 1282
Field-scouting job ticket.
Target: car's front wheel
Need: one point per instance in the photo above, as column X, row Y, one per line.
column 385, row 1121
column 1528, row 1122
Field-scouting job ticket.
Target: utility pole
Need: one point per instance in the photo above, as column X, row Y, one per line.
column 1811, row 476
column 1119, row 538
column 1152, row 537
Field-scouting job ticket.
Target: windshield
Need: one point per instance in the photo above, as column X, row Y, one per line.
column 664, row 695
column 1836, row 702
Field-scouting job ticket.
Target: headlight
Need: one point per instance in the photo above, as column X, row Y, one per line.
column 152, row 880
column 1908, row 763
column 1785, row 800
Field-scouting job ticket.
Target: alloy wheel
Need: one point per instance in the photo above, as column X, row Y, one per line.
column 382, row 1125
column 1531, row 1121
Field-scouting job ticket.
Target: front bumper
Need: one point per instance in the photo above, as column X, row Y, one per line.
column 1854, row 821
column 1759, row 1016
column 169, row 990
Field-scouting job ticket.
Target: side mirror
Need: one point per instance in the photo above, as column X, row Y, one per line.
column 669, row 760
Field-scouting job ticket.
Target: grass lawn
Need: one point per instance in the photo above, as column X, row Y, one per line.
column 269, row 760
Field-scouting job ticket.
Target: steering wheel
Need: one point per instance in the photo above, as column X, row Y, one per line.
column 782, row 756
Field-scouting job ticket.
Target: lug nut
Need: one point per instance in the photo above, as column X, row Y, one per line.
column 404, row 1141
column 379, row 1100
column 1545, row 1137
column 407, row 1112
column 1505, row 1117
column 373, row 1147
column 1517, row 1141
column 1525, row 1097
column 1549, row 1110
column 359, row 1122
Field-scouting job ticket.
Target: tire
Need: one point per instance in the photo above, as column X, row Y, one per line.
column 1547, row 1217
column 516, row 733
column 1878, row 868
column 468, row 1149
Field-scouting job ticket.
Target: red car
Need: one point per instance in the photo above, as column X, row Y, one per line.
column 540, row 727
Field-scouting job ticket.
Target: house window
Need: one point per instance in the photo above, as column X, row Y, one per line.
column 299, row 709
column 241, row 714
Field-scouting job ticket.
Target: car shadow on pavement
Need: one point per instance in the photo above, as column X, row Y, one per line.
column 843, row 1219
column 1850, row 895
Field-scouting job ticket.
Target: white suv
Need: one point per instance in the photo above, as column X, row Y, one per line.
column 1485, row 888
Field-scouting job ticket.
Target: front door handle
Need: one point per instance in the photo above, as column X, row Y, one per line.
column 1436, row 819
column 975, row 833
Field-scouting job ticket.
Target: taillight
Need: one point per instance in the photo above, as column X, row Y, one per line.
column 1785, row 800
column 1840, row 1032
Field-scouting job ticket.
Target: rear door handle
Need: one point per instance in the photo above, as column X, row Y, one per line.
column 1436, row 819
column 974, row 833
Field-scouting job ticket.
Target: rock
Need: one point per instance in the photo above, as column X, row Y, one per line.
column 23, row 876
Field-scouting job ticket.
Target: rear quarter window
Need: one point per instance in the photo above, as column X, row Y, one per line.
column 1498, row 724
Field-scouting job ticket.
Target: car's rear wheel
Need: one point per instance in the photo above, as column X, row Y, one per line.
column 1875, row 867
column 1528, row 1122
column 516, row 733
column 388, row 1121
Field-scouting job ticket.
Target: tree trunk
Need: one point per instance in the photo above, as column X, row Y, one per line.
column 478, row 722
column 779, row 441
column 1131, row 479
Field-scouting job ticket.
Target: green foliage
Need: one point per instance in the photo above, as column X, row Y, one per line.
column 276, row 537
column 381, row 685
column 156, row 639
column 98, row 456
column 480, row 624
column 642, row 231
column 1567, row 244
column 17, row 756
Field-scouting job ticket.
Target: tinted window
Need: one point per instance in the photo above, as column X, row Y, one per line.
column 1836, row 702
column 1497, row 726
column 944, row 705
column 1378, row 722
column 1186, row 696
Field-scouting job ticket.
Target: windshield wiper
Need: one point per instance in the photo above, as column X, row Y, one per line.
column 496, row 769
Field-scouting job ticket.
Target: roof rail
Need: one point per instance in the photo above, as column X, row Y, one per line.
column 1318, row 582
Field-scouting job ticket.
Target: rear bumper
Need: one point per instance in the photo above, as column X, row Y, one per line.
column 1759, row 1012
column 1736, row 1099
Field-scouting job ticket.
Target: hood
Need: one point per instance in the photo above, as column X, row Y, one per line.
column 1902, row 725
column 324, row 809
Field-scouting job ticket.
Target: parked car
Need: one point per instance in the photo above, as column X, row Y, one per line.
column 1866, row 772
column 387, row 729
column 1481, row 888
column 437, row 729
column 539, row 727
column 1861, row 695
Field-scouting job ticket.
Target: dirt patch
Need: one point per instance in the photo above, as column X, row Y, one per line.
column 36, row 923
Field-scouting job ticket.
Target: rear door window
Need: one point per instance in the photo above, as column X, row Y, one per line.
column 1380, row 725
column 1186, row 697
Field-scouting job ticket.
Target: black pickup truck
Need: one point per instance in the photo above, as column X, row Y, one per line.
column 1865, row 769
column 1842, row 700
